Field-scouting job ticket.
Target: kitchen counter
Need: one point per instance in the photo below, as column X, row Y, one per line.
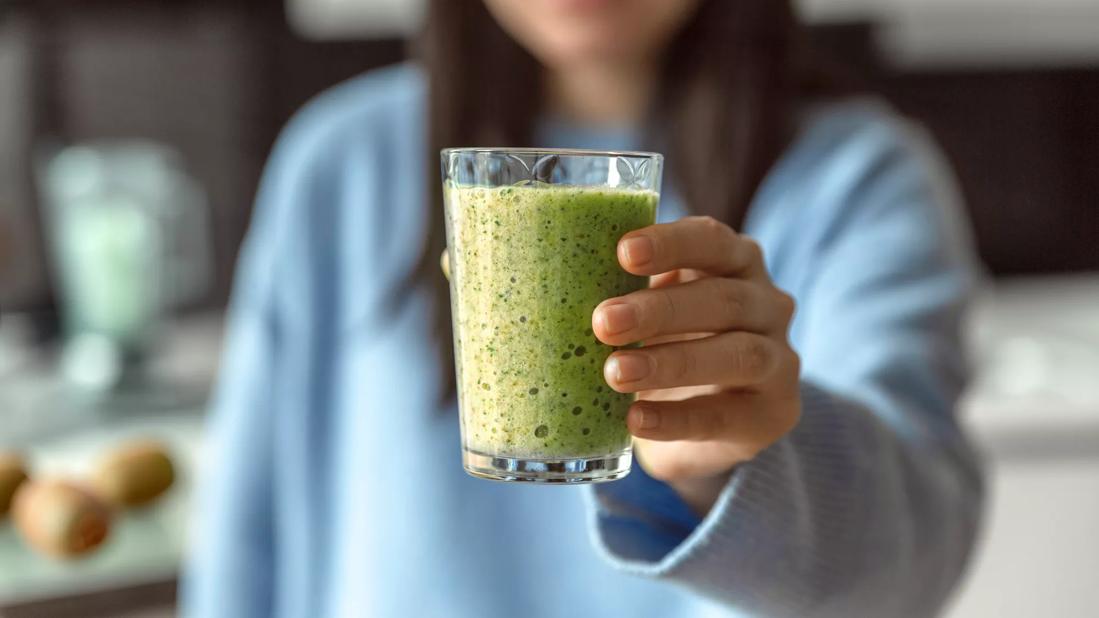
column 1034, row 411
column 1036, row 345
column 62, row 434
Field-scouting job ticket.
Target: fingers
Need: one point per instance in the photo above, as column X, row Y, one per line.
column 693, row 242
column 734, row 360
column 712, row 304
column 740, row 419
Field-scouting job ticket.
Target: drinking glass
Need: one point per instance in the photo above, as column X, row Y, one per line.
column 532, row 239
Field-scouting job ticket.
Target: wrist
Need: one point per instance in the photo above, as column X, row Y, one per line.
column 701, row 493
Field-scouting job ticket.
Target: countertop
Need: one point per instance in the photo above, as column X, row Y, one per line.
column 63, row 433
column 1036, row 353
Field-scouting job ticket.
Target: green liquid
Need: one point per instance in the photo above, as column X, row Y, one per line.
column 529, row 265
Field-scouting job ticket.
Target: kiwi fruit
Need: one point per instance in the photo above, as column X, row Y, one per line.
column 134, row 474
column 60, row 518
column 13, row 473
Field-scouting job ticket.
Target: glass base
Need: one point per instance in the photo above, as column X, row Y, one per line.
column 580, row 470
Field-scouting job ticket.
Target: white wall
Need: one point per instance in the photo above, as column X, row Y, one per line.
column 354, row 18
column 846, row 8
column 976, row 32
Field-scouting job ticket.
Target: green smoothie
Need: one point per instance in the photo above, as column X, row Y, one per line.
column 529, row 265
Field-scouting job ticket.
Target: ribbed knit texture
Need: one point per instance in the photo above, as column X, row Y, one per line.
column 821, row 524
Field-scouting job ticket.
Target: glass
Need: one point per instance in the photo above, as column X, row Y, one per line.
column 532, row 237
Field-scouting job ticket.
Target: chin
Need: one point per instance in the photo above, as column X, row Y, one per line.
column 576, row 49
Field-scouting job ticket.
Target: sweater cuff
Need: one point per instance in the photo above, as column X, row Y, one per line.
column 758, row 517
column 643, row 518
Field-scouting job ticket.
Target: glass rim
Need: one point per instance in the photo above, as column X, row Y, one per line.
column 563, row 152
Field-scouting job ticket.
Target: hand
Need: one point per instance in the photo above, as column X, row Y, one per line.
column 717, row 378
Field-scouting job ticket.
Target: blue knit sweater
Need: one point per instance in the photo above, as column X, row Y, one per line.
column 334, row 486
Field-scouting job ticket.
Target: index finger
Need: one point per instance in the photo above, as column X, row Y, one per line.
column 702, row 243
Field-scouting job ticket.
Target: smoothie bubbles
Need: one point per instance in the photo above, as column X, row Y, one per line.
column 532, row 238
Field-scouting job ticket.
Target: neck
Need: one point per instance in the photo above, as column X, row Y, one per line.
column 602, row 94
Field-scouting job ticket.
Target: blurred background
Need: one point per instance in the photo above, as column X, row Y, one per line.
column 132, row 136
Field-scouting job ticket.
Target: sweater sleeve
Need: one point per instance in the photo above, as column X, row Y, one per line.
column 870, row 506
column 231, row 551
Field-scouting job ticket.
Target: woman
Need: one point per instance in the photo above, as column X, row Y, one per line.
column 790, row 466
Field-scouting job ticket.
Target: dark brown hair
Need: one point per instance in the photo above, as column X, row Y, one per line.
column 732, row 80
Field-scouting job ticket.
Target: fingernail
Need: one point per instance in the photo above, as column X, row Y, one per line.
column 644, row 418
column 627, row 368
column 618, row 318
column 638, row 250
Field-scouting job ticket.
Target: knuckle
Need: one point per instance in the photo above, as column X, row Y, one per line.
column 712, row 230
column 703, row 220
column 732, row 298
column 751, row 357
column 664, row 309
column 794, row 363
column 753, row 249
column 717, row 230
column 787, row 305
column 786, row 367
column 711, row 224
column 789, row 418
column 700, row 424
column 682, row 365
